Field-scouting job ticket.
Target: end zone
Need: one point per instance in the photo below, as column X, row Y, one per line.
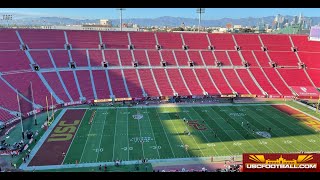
column 58, row 140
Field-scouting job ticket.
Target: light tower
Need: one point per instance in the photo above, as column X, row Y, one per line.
column 7, row 17
column 121, row 9
column 200, row 11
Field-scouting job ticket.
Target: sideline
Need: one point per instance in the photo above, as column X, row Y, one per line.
column 42, row 140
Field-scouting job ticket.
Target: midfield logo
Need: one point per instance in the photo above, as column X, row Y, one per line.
column 196, row 125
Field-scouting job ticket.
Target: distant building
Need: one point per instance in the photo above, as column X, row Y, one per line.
column 104, row 25
column 124, row 25
column 105, row 22
column 135, row 26
column 295, row 20
column 237, row 26
column 280, row 21
column 315, row 33
column 223, row 30
column 183, row 25
column 90, row 27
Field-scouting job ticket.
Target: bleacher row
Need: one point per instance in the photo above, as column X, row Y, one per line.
column 90, row 80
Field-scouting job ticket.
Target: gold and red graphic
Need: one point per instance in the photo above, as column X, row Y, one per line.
column 196, row 125
column 304, row 118
column 281, row 162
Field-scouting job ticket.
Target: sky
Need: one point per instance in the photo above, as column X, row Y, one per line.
column 112, row 13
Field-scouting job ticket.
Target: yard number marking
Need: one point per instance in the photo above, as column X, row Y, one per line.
column 155, row 147
column 98, row 150
column 287, row 142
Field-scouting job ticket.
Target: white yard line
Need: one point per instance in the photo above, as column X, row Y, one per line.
column 302, row 111
column 201, row 130
column 281, row 137
column 194, row 139
column 128, row 137
column 74, row 137
column 104, row 122
column 257, row 128
column 152, row 133
column 177, row 133
column 289, row 134
column 140, row 137
column 249, row 132
column 86, row 143
column 233, row 129
column 212, row 130
column 166, row 134
column 114, row 136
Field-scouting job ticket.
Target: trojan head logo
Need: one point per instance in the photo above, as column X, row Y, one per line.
column 261, row 159
column 303, row 89
column 137, row 116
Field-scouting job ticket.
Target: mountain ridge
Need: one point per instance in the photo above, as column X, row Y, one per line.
column 159, row 21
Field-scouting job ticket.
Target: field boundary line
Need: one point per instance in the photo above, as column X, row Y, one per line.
column 303, row 112
column 270, row 122
column 211, row 130
column 128, row 137
column 114, row 136
column 85, row 145
column 104, row 122
column 256, row 121
column 165, row 133
column 300, row 103
column 193, row 136
column 96, row 164
column 153, row 134
column 176, row 131
column 183, row 105
column 233, row 129
column 291, row 123
column 176, row 160
column 140, row 137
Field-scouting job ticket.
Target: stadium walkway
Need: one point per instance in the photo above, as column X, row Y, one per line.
column 156, row 162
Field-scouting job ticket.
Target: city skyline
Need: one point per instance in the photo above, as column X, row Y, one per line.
column 113, row 13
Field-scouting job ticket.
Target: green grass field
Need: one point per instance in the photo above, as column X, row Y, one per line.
column 116, row 134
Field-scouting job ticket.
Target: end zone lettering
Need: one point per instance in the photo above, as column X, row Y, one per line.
column 63, row 132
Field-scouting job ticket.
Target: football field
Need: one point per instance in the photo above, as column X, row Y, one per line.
column 135, row 133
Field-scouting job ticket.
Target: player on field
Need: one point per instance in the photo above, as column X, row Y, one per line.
column 186, row 147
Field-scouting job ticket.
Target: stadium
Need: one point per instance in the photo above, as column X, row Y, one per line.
column 89, row 100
